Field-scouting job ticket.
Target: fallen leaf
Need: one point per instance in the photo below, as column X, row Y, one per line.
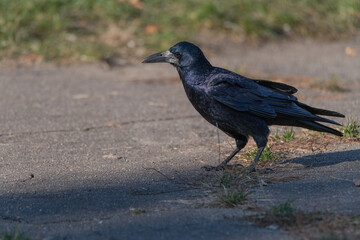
column 151, row 29
column 111, row 125
column 31, row 58
column 135, row 3
column 80, row 96
column 111, row 156
column 350, row 51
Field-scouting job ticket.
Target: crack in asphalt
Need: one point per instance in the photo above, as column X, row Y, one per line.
column 84, row 219
column 98, row 127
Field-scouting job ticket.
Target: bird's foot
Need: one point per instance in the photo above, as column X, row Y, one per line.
column 221, row 167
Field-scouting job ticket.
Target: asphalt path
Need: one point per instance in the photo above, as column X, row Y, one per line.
column 82, row 146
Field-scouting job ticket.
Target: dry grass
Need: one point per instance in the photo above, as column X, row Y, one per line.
column 308, row 225
column 233, row 198
column 304, row 143
column 137, row 211
column 333, row 84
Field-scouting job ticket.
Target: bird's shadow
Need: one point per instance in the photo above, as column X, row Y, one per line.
column 326, row 159
column 78, row 203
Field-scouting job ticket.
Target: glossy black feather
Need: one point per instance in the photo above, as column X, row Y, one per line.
column 277, row 86
column 220, row 95
column 242, row 94
column 240, row 106
column 320, row 111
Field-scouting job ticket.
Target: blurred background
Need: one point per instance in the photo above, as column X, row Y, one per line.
column 91, row 150
column 92, row 30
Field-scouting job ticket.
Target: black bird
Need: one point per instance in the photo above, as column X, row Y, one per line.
column 240, row 106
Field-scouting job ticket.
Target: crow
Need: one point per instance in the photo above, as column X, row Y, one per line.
column 241, row 107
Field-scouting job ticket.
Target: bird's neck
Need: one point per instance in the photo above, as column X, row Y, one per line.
column 195, row 74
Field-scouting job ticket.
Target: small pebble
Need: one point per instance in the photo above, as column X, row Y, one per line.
column 356, row 181
column 272, row 227
column 263, row 183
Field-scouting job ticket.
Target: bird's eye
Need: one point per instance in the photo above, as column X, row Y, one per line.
column 177, row 55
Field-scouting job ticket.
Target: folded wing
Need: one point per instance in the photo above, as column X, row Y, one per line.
column 245, row 95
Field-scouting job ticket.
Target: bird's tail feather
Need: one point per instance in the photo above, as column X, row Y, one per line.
column 318, row 127
column 320, row 111
column 321, row 119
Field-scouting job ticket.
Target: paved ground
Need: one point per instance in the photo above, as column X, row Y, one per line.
column 81, row 146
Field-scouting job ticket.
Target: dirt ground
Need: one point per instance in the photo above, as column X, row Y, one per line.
column 94, row 152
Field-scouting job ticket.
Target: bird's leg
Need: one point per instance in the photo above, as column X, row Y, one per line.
column 252, row 168
column 240, row 143
column 223, row 164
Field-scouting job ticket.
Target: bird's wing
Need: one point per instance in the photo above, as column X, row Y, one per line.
column 244, row 95
column 282, row 87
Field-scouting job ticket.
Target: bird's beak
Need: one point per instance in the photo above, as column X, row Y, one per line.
column 166, row 56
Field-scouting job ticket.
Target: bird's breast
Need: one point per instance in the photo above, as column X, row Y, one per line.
column 201, row 101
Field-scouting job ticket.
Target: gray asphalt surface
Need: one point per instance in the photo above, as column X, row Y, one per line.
column 94, row 138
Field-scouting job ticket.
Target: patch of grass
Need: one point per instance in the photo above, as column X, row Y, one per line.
column 233, row 199
column 57, row 29
column 137, row 211
column 332, row 237
column 14, row 236
column 277, row 136
column 319, row 225
column 226, row 178
column 91, row 30
column 288, row 135
column 333, row 84
column 231, row 185
column 352, row 128
column 284, row 213
column 266, row 156
column 229, row 179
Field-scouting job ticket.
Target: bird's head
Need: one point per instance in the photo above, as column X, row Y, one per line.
column 182, row 54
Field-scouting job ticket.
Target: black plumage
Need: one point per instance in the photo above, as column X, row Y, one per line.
column 240, row 106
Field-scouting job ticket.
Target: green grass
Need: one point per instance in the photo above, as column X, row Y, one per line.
column 319, row 225
column 89, row 30
column 233, row 199
column 352, row 128
column 288, row 135
column 231, row 178
column 277, row 136
column 334, row 238
column 226, row 178
column 267, row 155
column 333, row 84
column 14, row 236
column 284, row 213
column 137, row 211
